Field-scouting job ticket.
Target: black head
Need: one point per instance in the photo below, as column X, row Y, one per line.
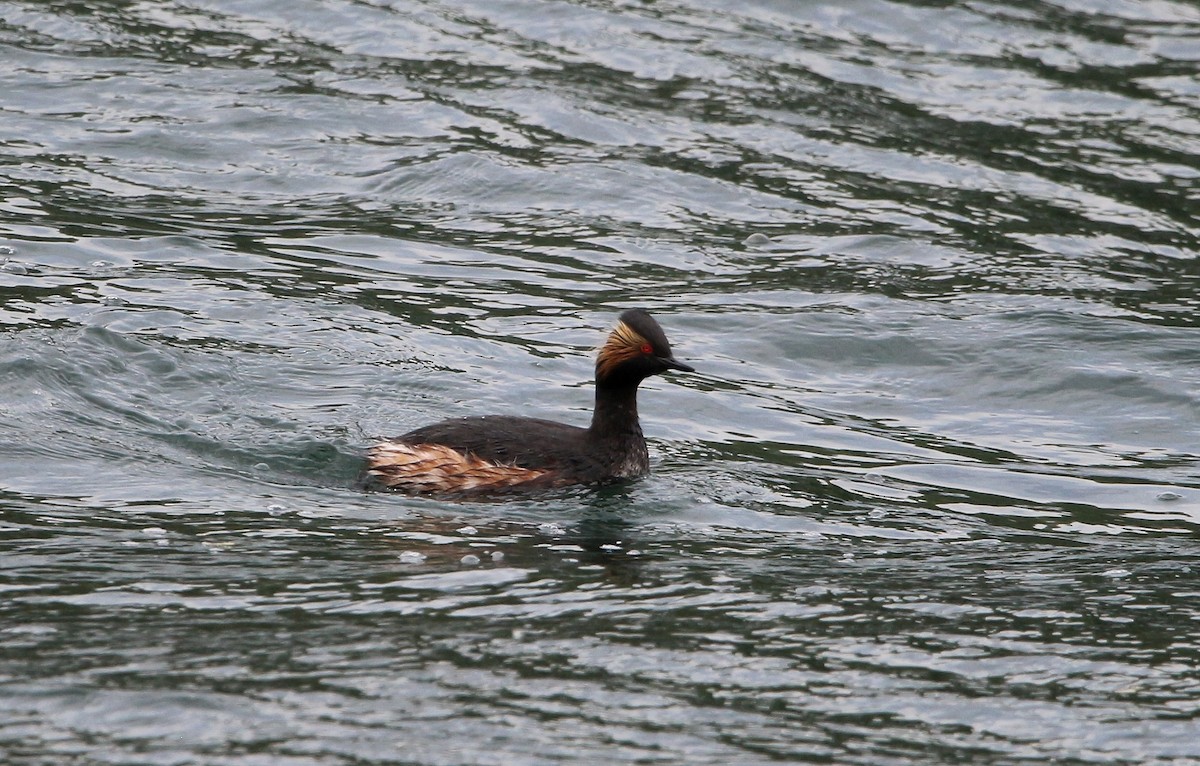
column 635, row 349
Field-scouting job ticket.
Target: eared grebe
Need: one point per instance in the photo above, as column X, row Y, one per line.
column 496, row 452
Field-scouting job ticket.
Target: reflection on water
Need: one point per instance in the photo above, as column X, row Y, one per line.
column 932, row 498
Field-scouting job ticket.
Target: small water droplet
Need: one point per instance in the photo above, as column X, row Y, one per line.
column 467, row 530
column 154, row 532
column 757, row 239
column 112, row 300
column 1117, row 574
column 878, row 513
column 261, row 467
column 551, row 530
column 100, row 264
column 1167, row 497
column 412, row 557
column 874, row 477
column 275, row 509
column 470, row 560
column 162, row 542
column 13, row 267
column 497, row 556
column 7, row 250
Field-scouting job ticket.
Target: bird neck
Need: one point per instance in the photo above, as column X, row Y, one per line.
column 616, row 415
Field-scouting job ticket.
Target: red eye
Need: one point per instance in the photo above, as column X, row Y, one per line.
column 647, row 348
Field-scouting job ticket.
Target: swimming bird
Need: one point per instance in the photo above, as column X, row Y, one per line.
column 499, row 452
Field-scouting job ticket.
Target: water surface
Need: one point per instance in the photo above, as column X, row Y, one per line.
column 932, row 497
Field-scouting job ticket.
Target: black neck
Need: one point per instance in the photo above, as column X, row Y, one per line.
column 616, row 415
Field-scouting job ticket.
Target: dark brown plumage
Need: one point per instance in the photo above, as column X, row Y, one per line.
column 496, row 452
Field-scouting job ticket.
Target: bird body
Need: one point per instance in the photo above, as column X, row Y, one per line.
column 496, row 452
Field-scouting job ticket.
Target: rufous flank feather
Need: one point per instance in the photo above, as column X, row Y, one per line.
column 437, row 468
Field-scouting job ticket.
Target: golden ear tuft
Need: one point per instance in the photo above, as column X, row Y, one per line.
column 623, row 343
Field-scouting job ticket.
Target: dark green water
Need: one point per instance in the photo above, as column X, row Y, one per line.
column 933, row 498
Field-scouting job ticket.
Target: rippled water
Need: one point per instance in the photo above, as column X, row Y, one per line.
column 933, row 497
